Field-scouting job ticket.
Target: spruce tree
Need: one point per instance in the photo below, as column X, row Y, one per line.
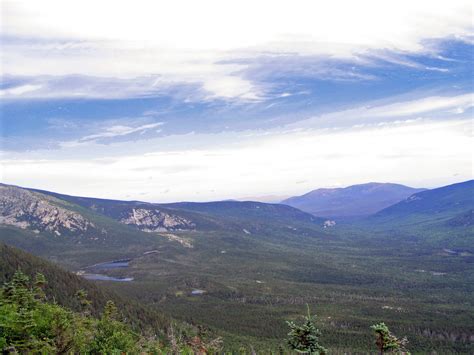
column 304, row 338
column 387, row 342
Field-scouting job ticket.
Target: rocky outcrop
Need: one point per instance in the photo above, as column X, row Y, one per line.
column 154, row 220
column 329, row 223
column 30, row 210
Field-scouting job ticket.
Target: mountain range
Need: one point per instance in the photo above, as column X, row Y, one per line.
column 258, row 264
column 355, row 200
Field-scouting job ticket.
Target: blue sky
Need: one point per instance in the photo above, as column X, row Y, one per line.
column 189, row 101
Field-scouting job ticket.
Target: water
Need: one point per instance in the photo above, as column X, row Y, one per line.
column 111, row 264
column 101, row 277
column 115, row 264
column 197, row 292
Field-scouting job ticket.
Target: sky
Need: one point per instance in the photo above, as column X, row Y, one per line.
column 210, row 100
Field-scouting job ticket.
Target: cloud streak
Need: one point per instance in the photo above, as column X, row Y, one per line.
column 112, row 132
column 198, row 48
column 435, row 107
column 289, row 162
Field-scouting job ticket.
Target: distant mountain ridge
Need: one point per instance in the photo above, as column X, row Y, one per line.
column 456, row 200
column 40, row 221
column 351, row 201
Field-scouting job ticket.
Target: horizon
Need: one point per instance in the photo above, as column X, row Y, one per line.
column 166, row 104
column 270, row 199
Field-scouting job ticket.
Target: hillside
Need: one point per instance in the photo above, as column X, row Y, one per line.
column 257, row 265
column 356, row 200
column 63, row 285
column 440, row 217
column 194, row 216
column 446, row 201
column 144, row 216
column 248, row 211
column 62, row 230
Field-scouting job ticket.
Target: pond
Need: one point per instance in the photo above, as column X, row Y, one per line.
column 115, row 264
column 101, row 277
column 111, row 264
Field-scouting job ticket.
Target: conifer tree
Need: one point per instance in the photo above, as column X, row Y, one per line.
column 40, row 284
column 387, row 342
column 304, row 338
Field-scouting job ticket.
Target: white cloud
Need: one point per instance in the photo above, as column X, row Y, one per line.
column 19, row 90
column 405, row 152
column 235, row 25
column 111, row 132
column 231, row 87
column 189, row 41
column 430, row 106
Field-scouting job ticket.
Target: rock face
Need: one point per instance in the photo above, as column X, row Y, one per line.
column 329, row 223
column 29, row 210
column 154, row 220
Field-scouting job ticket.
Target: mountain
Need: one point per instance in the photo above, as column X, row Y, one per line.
column 356, row 200
column 81, row 231
column 30, row 210
column 247, row 209
column 192, row 216
column 258, row 265
column 144, row 216
column 453, row 201
column 62, row 230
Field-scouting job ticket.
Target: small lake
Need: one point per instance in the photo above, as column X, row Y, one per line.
column 101, row 277
column 115, row 264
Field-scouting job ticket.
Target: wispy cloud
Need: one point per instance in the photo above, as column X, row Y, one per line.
column 112, row 132
column 19, row 91
column 116, row 131
column 455, row 104
column 441, row 107
column 49, row 38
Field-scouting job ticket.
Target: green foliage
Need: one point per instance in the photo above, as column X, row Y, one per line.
column 112, row 336
column 74, row 292
column 29, row 324
column 304, row 338
column 415, row 272
column 386, row 341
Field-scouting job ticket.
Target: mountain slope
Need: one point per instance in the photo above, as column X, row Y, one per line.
column 144, row 216
column 79, row 231
column 356, row 200
column 258, row 265
column 31, row 210
column 63, row 285
column 50, row 226
column 191, row 216
column 246, row 209
column 447, row 201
